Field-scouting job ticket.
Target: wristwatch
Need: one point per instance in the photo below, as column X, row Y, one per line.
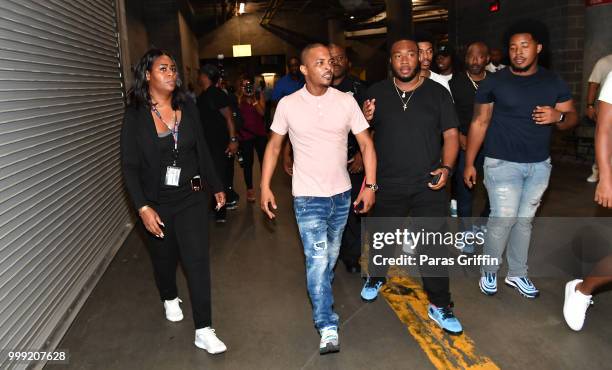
column 234, row 139
column 373, row 187
column 561, row 118
column 449, row 169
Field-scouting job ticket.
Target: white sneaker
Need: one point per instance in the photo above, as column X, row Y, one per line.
column 173, row 310
column 595, row 175
column 453, row 208
column 330, row 342
column 408, row 247
column 575, row 305
column 207, row 339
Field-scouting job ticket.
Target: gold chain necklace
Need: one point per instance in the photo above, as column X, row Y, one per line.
column 403, row 94
column 474, row 82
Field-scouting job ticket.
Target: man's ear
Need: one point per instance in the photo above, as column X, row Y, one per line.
column 148, row 75
column 539, row 48
column 303, row 69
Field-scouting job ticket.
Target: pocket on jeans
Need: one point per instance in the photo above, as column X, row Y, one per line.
column 492, row 162
column 300, row 203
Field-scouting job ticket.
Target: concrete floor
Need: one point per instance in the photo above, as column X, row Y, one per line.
column 261, row 310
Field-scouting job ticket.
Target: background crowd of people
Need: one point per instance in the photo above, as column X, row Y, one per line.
column 438, row 120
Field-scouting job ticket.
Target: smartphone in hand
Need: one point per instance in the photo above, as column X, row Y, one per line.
column 435, row 179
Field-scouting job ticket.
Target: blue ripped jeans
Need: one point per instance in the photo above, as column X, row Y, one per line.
column 515, row 191
column 321, row 221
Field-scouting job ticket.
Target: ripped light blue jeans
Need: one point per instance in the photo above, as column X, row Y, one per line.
column 515, row 191
column 321, row 221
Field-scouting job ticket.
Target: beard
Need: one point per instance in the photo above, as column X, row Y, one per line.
column 521, row 69
column 340, row 74
column 410, row 77
column 475, row 69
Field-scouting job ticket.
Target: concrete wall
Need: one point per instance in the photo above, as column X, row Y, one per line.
column 189, row 52
column 137, row 39
column 369, row 54
column 162, row 25
column 598, row 39
column 290, row 32
column 470, row 20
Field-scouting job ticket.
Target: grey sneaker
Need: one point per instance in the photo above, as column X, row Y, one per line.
column 330, row 342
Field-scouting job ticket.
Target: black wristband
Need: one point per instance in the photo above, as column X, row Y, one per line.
column 450, row 170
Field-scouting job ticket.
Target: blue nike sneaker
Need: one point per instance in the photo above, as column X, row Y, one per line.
column 488, row 283
column 445, row 318
column 523, row 285
column 370, row 289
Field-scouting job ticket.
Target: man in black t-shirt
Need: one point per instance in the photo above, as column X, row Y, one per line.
column 350, row 249
column 219, row 129
column 409, row 115
column 516, row 108
column 463, row 87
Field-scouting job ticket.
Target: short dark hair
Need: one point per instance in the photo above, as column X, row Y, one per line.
column 307, row 48
column 536, row 29
column 212, row 72
column 398, row 40
column 468, row 46
column 139, row 93
column 423, row 36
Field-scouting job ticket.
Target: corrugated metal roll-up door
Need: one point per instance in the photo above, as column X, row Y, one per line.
column 63, row 210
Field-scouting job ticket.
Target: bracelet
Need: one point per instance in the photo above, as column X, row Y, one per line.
column 450, row 170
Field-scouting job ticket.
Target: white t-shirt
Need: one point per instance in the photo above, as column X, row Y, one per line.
column 318, row 128
column 492, row 68
column 447, row 77
column 605, row 94
column 440, row 79
column 601, row 69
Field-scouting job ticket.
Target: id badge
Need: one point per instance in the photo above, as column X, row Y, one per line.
column 172, row 176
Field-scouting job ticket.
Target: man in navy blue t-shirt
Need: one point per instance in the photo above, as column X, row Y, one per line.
column 516, row 108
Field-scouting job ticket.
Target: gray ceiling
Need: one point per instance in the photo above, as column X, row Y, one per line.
column 206, row 15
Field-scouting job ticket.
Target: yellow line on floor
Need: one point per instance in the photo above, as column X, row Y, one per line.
column 407, row 298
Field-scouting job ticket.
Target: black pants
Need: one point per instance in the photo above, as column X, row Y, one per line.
column 224, row 166
column 248, row 147
column 417, row 201
column 350, row 249
column 185, row 236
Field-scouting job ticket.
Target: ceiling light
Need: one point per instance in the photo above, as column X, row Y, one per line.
column 242, row 50
column 352, row 17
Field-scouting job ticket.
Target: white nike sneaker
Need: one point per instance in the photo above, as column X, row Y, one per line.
column 575, row 305
column 173, row 310
column 206, row 338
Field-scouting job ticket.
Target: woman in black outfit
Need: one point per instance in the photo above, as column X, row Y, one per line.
column 166, row 164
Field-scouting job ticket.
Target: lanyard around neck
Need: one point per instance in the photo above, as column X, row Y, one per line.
column 174, row 130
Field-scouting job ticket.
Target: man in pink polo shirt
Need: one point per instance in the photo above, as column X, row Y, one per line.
column 318, row 120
